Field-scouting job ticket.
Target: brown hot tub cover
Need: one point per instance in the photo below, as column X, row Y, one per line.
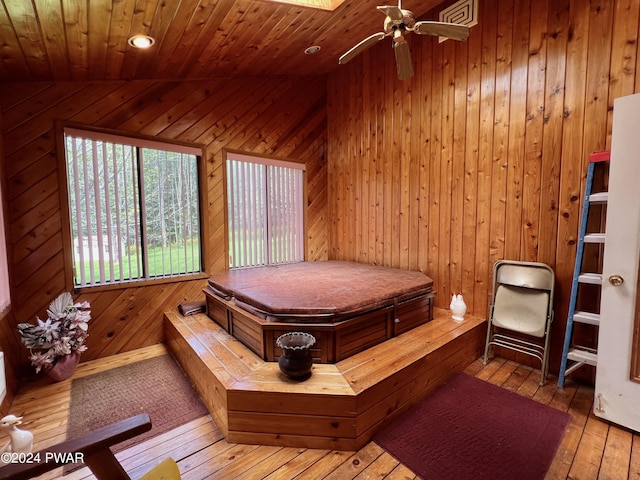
column 326, row 290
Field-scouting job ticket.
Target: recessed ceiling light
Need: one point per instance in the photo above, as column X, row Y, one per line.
column 312, row 50
column 141, row 41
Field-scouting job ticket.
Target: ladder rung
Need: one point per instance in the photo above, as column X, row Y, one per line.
column 583, row 356
column 591, row 278
column 594, row 238
column 587, row 317
column 600, row 197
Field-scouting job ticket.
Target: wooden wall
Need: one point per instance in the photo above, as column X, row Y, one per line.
column 283, row 117
column 481, row 155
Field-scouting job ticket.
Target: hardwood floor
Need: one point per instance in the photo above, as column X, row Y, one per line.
column 591, row 448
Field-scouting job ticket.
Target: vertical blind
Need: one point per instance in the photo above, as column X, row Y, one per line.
column 265, row 211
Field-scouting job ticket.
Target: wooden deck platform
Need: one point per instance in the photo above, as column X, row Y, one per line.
column 591, row 448
column 342, row 405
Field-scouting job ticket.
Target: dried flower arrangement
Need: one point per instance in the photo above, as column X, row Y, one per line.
column 62, row 333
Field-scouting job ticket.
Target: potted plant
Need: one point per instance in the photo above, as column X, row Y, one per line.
column 55, row 344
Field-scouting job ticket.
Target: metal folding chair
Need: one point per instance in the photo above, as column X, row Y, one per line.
column 521, row 310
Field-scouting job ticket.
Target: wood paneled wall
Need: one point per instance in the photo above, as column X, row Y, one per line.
column 279, row 116
column 482, row 155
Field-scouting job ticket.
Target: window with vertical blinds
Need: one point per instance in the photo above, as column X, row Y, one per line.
column 265, row 211
column 134, row 208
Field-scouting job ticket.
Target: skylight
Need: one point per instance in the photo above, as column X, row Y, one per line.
column 319, row 4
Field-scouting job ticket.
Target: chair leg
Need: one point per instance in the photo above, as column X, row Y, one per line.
column 486, row 343
column 543, row 376
column 544, row 369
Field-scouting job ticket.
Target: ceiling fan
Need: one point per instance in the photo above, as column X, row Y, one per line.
column 397, row 24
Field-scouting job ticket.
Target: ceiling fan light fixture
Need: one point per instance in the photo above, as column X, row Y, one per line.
column 141, row 41
column 312, row 50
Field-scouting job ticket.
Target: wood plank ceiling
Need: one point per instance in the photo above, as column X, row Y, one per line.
column 87, row 39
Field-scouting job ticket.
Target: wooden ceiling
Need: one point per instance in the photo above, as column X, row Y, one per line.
column 87, row 39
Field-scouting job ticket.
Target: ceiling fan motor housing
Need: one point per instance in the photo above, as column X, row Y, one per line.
column 397, row 23
column 407, row 22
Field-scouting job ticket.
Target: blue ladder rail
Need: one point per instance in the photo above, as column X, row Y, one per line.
column 587, row 358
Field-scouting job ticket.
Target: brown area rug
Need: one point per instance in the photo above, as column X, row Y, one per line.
column 156, row 386
column 471, row 429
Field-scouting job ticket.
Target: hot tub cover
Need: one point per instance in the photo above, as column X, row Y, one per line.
column 330, row 289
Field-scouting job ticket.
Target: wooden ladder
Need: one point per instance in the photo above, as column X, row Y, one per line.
column 575, row 356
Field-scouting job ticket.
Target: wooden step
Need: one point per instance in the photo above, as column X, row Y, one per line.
column 341, row 405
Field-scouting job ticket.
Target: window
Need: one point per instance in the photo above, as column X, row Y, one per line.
column 265, row 211
column 134, row 209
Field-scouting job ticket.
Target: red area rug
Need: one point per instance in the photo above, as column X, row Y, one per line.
column 471, row 429
column 156, row 386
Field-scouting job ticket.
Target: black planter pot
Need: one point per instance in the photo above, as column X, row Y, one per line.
column 296, row 360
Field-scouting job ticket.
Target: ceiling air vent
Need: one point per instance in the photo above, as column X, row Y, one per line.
column 464, row 12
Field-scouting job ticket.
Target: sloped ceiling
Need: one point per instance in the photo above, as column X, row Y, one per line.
column 87, row 39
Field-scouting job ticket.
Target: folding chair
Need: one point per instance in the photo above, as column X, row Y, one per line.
column 521, row 310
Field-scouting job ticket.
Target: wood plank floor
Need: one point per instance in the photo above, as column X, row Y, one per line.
column 591, row 448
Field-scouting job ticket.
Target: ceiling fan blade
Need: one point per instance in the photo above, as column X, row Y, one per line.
column 403, row 58
column 394, row 13
column 360, row 47
column 442, row 29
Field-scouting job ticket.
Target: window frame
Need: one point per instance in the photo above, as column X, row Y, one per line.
column 143, row 141
column 265, row 160
column 5, row 281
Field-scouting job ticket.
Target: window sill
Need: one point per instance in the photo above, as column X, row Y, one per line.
column 140, row 283
column 5, row 312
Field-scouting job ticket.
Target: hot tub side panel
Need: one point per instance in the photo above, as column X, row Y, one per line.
column 334, row 341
